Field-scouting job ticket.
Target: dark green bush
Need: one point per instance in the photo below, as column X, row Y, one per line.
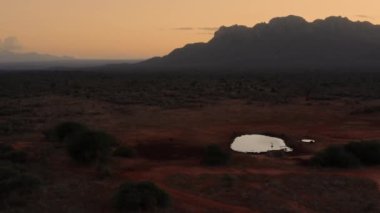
column 14, row 180
column 367, row 110
column 9, row 153
column 62, row 130
column 368, row 152
column 335, row 156
column 125, row 152
column 103, row 171
column 215, row 156
column 141, row 196
column 5, row 129
column 352, row 154
column 89, row 146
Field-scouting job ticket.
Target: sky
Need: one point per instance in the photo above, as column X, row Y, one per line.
column 137, row 29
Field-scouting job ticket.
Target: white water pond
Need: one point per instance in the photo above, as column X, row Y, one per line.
column 259, row 144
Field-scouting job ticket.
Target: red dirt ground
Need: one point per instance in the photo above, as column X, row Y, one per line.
column 170, row 142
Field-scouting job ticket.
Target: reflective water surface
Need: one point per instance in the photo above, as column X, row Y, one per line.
column 259, row 144
column 308, row 140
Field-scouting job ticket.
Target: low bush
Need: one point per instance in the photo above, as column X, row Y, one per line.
column 63, row 130
column 103, row 171
column 335, row 156
column 367, row 110
column 124, row 151
column 141, row 196
column 14, row 182
column 368, row 152
column 215, row 156
column 6, row 129
column 89, row 146
column 352, row 154
column 9, row 153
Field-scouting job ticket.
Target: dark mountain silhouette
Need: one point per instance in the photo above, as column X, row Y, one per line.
column 287, row 42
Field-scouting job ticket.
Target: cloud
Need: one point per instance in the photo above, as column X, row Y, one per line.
column 196, row 28
column 10, row 44
column 364, row 16
column 208, row 28
column 183, row 28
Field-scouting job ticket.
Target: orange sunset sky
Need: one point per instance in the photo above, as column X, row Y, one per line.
column 119, row 29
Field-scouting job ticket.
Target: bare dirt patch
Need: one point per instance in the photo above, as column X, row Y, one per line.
column 281, row 193
column 168, row 150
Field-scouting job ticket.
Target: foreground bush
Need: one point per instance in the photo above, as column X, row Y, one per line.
column 335, row 156
column 125, row 152
column 9, row 153
column 350, row 155
column 215, row 156
column 89, row 146
column 142, row 196
column 16, row 183
column 63, row 130
column 368, row 152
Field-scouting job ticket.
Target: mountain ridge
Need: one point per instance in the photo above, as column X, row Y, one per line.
column 283, row 42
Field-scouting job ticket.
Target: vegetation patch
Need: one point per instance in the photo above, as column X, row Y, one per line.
column 15, row 184
column 215, row 156
column 7, row 152
column 368, row 152
column 366, row 110
column 140, row 196
column 335, row 156
column 63, row 130
column 125, row 152
column 351, row 155
column 15, row 126
column 90, row 146
column 11, row 111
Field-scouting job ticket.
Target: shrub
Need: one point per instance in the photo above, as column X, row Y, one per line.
column 335, row 156
column 350, row 155
column 125, row 152
column 141, row 196
column 367, row 110
column 62, row 130
column 6, row 128
column 89, row 146
column 215, row 156
column 228, row 180
column 14, row 181
column 103, row 171
column 368, row 152
column 9, row 153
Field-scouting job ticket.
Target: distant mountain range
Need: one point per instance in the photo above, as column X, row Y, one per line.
column 33, row 61
column 283, row 43
column 12, row 57
column 286, row 42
